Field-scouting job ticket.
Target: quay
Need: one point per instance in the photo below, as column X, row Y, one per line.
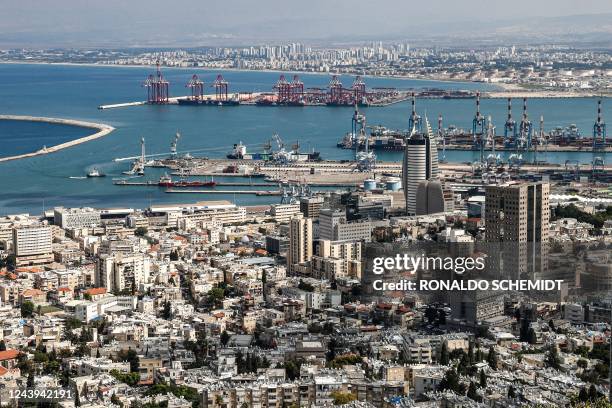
column 102, row 130
column 252, row 192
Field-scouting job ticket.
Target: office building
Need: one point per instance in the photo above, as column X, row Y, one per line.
column 517, row 218
column 33, row 245
column 300, row 243
column 284, row 212
column 433, row 198
column 70, row 218
column 334, row 226
column 310, row 206
column 420, row 163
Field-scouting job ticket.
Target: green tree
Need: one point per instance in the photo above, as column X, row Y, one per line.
column 141, row 231
column 2, row 345
column 552, row 357
column 225, row 338
column 483, row 379
column 27, row 309
column 444, row 359
column 511, row 392
column 167, row 311
column 472, row 393
column 492, row 358
column 215, row 296
column 532, row 337
column 451, row 382
column 342, row 398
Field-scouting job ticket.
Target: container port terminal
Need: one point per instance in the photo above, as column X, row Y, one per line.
column 518, row 136
column 283, row 93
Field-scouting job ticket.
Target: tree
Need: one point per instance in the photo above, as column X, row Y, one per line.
column 473, row 393
column 444, row 354
column 593, row 395
column 451, row 382
column 483, row 379
column 342, row 398
column 583, row 395
column 77, row 400
column 492, row 358
column 2, row 345
column 552, row 357
column 141, row 231
column 225, row 338
column 215, row 296
column 511, row 392
column 27, row 309
column 167, row 312
column 532, row 337
column 30, row 380
column 582, row 363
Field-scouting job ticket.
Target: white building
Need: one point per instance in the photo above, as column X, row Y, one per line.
column 33, row 244
column 69, row 218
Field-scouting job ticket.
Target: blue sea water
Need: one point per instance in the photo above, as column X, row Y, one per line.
column 75, row 92
column 18, row 136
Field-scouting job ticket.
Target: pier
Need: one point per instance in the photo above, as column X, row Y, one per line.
column 102, row 130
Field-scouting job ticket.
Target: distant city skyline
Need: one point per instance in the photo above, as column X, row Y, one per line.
column 72, row 23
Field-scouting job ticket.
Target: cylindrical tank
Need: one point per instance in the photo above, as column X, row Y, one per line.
column 369, row 184
column 394, row 183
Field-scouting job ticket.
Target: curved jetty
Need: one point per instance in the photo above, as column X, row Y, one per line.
column 102, row 130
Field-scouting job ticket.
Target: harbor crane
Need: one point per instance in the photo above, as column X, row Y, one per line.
column 525, row 130
column 479, row 124
column 221, row 86
column 510, row 130
column 157, row 87
column 441, row 138
column 573, row 165
column 196, row 86
column 415, row 121
column 599, row 130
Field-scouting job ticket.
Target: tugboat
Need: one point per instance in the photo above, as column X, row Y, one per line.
column 95, row 173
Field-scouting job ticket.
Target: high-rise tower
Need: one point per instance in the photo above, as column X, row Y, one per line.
column 420, row 163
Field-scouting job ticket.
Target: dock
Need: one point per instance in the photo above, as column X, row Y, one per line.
column 252, row 192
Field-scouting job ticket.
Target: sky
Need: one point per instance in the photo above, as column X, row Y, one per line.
column 200, row 22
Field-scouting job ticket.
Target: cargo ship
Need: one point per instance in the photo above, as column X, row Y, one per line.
column 166, row 181
column 209, row 102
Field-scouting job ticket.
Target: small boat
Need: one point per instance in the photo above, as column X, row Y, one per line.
column 95, row 173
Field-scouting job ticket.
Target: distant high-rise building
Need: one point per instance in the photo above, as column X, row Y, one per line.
column 420, row 163
column 300, row 243
column 517, row 218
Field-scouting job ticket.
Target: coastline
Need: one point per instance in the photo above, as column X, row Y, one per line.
column 504, row 90
column 102, row 130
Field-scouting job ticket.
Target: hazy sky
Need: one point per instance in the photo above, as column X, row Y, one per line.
column 197, row 22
